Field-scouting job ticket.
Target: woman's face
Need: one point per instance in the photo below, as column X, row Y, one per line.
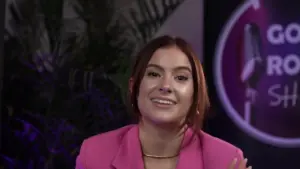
column 166, row 90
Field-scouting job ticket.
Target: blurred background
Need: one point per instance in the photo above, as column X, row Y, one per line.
column 65, row 66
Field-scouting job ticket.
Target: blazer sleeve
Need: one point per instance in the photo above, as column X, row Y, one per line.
column 80, row 160
column 240, row 155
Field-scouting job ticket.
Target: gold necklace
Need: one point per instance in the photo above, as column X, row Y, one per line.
column 159, row 157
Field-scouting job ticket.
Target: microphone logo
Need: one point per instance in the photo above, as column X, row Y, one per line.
column 252, row 68
column 257, row 72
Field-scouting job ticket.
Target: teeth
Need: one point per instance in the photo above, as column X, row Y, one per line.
column 162, row 101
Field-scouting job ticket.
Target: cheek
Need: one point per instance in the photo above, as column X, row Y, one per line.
column 144, row 90
column 147, row 86
column 187, row 91
column 186, row 94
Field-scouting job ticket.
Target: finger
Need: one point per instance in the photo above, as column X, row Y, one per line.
column 250, row 167
column 243, row 164
column 233, row 163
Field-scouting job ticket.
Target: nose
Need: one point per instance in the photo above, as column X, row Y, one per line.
column 165, row 90
column 165, row 86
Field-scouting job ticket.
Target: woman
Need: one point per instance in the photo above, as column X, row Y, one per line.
column 168, row 96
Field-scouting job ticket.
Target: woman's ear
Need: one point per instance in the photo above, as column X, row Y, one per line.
column 130, row 85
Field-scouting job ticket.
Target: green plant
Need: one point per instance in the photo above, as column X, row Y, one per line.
column 69, row 84
column 140, row 23
column 40, row 47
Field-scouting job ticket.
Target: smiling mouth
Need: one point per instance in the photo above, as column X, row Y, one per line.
column 163, row 101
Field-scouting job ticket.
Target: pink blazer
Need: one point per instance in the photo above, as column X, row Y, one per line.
column 120, row 149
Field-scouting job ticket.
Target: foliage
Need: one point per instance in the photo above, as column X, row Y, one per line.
column 139, row 24
column 38, row 141
column 152, row 15
column 61, row 86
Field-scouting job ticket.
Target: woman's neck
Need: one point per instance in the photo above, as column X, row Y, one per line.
column 160, row 140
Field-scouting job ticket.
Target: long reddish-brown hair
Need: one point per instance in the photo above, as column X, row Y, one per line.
column 200, row 103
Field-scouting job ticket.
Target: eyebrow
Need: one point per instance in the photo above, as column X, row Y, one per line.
column 176, row 68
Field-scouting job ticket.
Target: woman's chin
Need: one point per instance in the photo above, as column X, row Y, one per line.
column 167, row 121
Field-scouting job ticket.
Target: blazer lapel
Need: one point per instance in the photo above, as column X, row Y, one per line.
column 208, row 162
column 129, row 155
column 191, row 153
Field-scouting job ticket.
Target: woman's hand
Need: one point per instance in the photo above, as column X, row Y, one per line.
column 239, row 165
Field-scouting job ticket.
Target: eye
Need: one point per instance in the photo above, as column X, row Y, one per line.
column 182, row 78
column 153, row 74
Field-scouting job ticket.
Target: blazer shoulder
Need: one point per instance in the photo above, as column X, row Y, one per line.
column 108, row 139
column 219, row 153
column 214, row 141
column 101, row 146
column 221, row 147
